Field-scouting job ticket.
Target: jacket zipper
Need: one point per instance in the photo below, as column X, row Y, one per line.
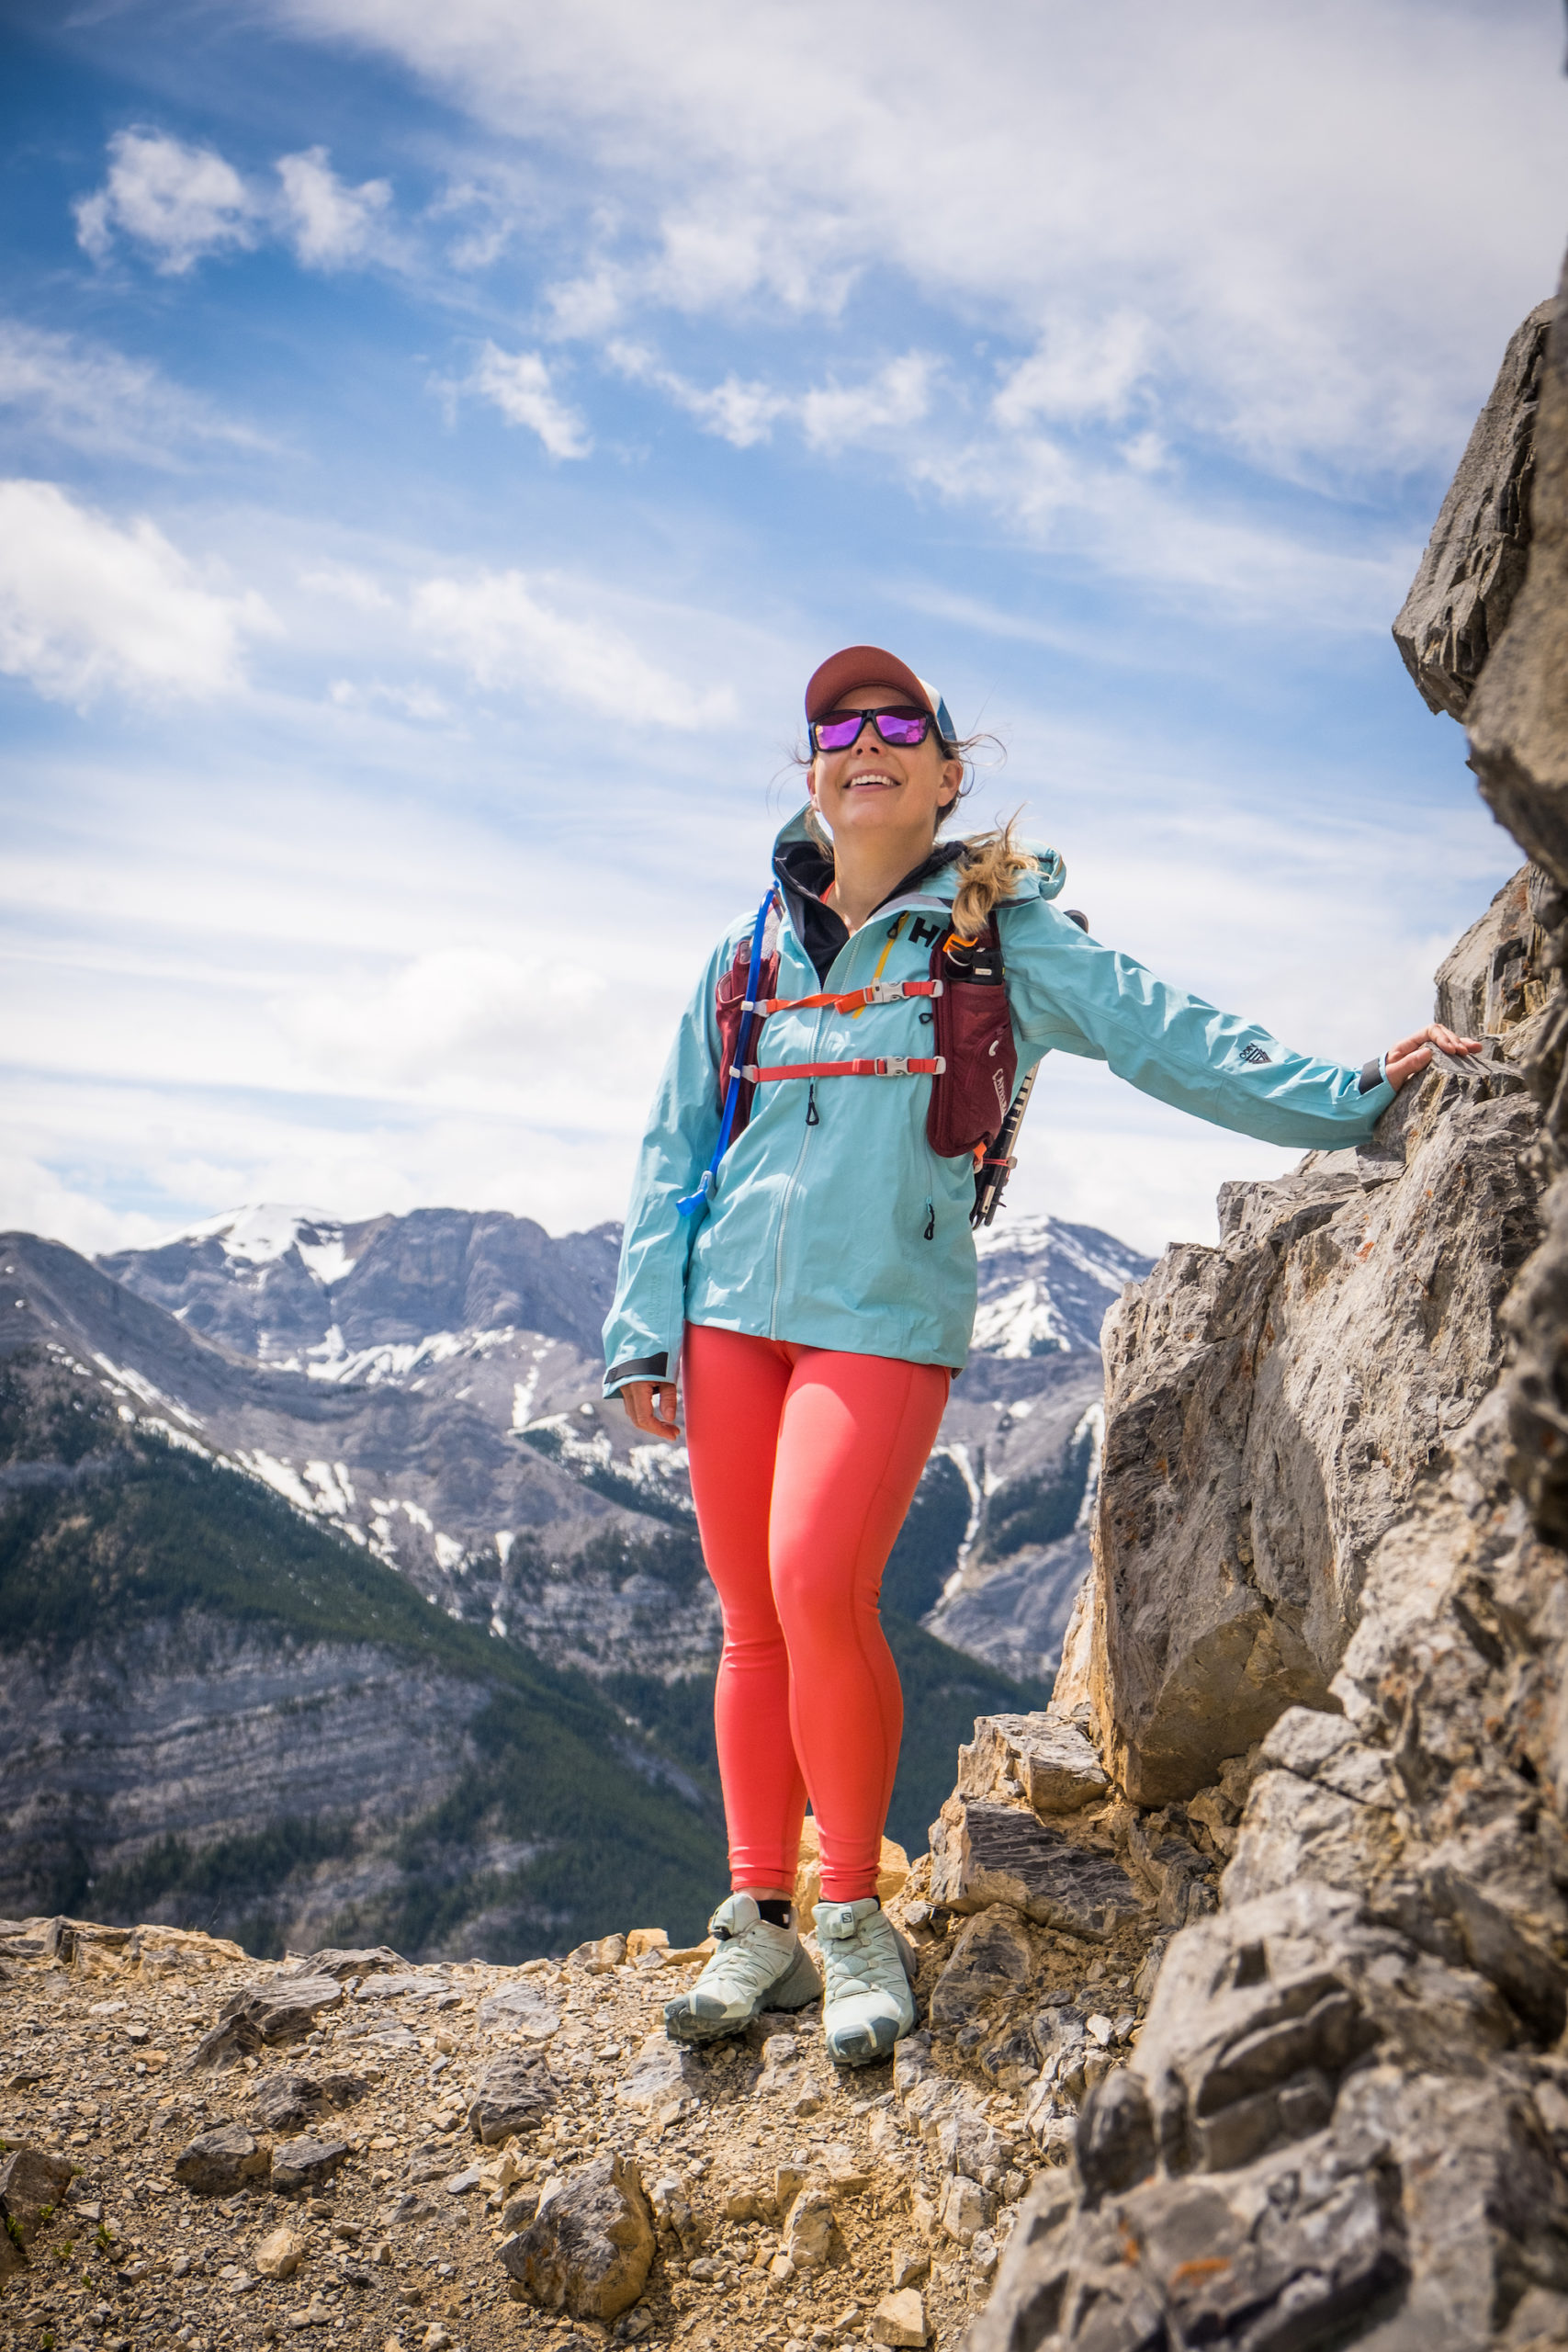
column 788, row 1201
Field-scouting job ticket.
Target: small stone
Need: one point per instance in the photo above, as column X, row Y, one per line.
column 525, row 2008
column 436, row 2339
column 305, row 2163
column 1100, row 2029
column 808, row 2234
column 218, row 2162
column 315, row 2314
column 514, row 2093
column 645, row 1940
column 278, row 2254
column 964, row 2210
column 911, row 2264
column 899, row 2318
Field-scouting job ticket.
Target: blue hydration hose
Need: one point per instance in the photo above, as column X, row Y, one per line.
column 694, row 1202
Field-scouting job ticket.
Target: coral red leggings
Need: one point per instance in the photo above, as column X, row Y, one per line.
column 804, row 1462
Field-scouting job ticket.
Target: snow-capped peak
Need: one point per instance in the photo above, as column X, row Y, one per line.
column 264, row 1231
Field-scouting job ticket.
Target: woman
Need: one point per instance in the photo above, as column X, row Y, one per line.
column 821, row 1296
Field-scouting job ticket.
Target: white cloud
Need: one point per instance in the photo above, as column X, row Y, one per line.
column 89, row 396
column 1084, row 368
column 179, row 202
column 740, row 413
column 329, row 223
column 1272, row 190
column 467, row 1012
column 898, row 394
column 86, row 605
column 518, row 383
column 500, row 627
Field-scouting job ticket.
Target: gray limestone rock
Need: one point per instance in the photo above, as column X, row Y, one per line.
column 287, row 2102
column 284, row 2010
column 219, row 2161
column 33, row 2185
column 991, row 1961
column 1461, row 596
column 525, row 2008
column 590, row 2247
column 983, row 1854
column 513, row 2093
column 306, row 2162
column 1050, row 1759
column 1272, row 1407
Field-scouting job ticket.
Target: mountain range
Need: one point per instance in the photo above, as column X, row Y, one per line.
column 403, row 1416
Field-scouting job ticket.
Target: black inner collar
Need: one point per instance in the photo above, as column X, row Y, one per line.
column 804, row 870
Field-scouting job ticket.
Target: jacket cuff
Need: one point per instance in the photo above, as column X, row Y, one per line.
column 1373, row 1074
column 638, row 1368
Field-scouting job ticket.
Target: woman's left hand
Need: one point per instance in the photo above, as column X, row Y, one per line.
column 1412, row 1054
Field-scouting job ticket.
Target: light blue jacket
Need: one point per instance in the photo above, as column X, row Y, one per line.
column 848, row 1231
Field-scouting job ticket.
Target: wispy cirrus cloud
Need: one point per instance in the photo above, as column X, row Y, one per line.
column 511, row 630
column 89, row 396
column 518, row 383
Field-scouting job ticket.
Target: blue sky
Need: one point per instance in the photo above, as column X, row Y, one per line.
column 440, row 441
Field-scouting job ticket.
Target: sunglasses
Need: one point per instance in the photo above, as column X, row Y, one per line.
column 899, row 724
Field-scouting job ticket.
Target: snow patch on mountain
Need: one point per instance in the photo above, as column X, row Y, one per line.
column 264, row 1231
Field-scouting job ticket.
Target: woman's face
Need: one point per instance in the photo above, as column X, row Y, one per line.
column 874, row 788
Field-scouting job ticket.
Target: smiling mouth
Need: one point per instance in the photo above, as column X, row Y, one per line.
column 870, row 778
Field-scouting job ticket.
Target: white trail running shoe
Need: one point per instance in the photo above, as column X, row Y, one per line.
column 868, row 2005
column 756, row 1967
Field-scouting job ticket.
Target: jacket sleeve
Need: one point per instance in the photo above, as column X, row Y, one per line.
column 1066, row 991
column 642, row 1330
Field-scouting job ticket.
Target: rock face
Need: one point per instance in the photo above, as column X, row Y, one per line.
column 1273, row 1406
column 1327, row 1639
column 1461, row 596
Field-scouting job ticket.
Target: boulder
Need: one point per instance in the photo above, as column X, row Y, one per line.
column 284, row 2010
column 513, row 2093
column 219, row 2161
column 983, row 1854
column 1049, row 1759
column 305, row 2163
column 33, row 2186
column 590, row 2247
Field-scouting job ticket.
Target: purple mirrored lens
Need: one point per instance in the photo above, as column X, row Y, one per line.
column 905, row 727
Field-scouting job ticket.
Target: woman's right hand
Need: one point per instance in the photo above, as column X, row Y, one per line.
column 650, row 1406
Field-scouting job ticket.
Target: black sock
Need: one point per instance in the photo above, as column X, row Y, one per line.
column 776, row 1914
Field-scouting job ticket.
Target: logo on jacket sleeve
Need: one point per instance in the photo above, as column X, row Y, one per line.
column 1253, row 1054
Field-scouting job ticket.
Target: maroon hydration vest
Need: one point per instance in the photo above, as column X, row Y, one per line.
column 972, row 1035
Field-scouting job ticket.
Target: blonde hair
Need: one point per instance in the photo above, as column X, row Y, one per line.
column 990, row 869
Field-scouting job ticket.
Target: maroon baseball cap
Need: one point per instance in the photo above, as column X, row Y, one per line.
column 873, row 665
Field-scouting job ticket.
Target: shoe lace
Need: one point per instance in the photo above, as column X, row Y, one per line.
column 746, row 1961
